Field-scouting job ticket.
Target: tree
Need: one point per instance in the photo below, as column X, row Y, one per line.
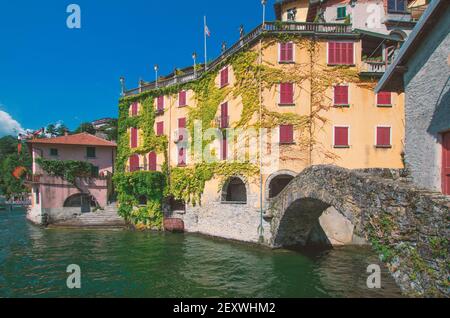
column 8, row 145
column 51, row 130
column 86, row 127
column 61, row 130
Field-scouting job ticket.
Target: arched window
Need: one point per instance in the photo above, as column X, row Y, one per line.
column 177, row 205
column 278, row 184
column 234, row 191
column 80, row 200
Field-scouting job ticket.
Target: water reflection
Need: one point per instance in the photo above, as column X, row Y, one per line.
column 33, row 263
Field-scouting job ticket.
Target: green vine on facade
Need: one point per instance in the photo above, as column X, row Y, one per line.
column 69, row 170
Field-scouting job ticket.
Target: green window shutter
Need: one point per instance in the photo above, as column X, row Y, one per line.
column 341, row 12
column 90, row 152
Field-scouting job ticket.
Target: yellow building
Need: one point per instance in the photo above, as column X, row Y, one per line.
column 309, row 85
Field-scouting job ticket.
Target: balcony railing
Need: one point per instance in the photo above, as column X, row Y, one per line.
column 267, row 28
column 417, row 12
column 373, row 67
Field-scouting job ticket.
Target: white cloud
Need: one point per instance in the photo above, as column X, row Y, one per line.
column 8, row 125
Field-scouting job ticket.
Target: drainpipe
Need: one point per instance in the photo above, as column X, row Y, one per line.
column 261, row 201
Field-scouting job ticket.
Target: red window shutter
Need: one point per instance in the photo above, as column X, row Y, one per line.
column 224, row 77
column 134, row 163
column 340, row 53
column 224, row 148
column 181, row 156
column 383, row 136
column 286, row 134
column 341, row 136
column 134, row 109
column 160, row 103
column 283, row 52
column 181, row 126
column 350, row 54
column 341, row 95
column 290, row 52
column 152, row 161
column 224, row 116
column 286, row 93
column 384, row 98
column 134, row 137
column 331, row 53
column 160, row 128
column 182, row 98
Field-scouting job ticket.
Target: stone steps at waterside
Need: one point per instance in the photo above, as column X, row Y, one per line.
column 107, row 218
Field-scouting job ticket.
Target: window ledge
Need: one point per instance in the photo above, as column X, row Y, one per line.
column 383, row 146
column 182, row 165
column 181, row 106
column 342, row 106
column 341, row 147
column 289, row 143
column 224, row 85
column 233, row 203
column 286, row 105
column 384, row 106
column 286, row 62
column 91, row 158
column 349, row 65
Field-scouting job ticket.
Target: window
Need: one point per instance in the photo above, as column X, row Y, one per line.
column 341, row 13
column 384, row 99
column 341, row 95
column 234, row 191
column 224, row 148
column 152, row 161
column 160, row 128
column 181, row 156
column 90, row 152
column 278, row 184
column 134, row 109
column 224, row 77
column 37, row 196
column 134, row 138
column 341, row 137
column 396, row 6
column 383, row 137
column 182, row 99
column 54, row 152
column 340, row 53
column 286, row 52
column 142, row 199
column 134, row 163
column 286, row 94
column 95, row 172
column 224, row 116
column 160, row 104
column 181, row 128
column 286, row 134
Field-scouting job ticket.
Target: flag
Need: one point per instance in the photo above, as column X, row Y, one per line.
column 207, row 32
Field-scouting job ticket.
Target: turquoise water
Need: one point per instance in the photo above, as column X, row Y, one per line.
column 33, row 263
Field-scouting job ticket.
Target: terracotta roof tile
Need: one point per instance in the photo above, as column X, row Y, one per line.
column 83, row 139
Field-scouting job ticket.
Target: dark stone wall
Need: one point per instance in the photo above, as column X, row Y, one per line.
column 407, row 226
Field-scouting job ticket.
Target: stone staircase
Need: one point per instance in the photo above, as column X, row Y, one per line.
column 108, row 218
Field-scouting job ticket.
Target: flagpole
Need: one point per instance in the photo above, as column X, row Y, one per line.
column 206, row 52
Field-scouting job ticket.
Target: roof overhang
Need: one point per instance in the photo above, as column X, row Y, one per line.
column 392, row 80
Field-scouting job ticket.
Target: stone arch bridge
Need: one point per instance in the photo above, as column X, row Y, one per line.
column 407, row 226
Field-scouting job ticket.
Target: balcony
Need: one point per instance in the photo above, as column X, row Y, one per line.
column 373, row 68
column 417, row 12
column 301, row 28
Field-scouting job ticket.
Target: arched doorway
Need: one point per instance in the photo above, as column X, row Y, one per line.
column 278, row 183
column 234, row 191
column 80, row 200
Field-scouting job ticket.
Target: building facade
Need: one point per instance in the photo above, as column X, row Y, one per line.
column 310, row 85
column 54, row 197
column 423, row 60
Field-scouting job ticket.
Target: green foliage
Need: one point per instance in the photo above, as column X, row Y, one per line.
column 69, row 170
column 87, row 128
column 131, row 186
column 9, row 161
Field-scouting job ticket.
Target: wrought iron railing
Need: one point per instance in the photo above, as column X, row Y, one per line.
column 267, row 28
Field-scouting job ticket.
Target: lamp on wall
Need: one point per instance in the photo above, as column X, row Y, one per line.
column 264, row 2
column 194, row 57
column 156, row 68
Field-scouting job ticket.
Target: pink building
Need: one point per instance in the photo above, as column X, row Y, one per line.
column 55, row 199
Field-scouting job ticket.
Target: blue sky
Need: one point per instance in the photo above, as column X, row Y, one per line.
column 49, row 73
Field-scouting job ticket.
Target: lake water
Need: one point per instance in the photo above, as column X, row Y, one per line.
column 122, row 263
